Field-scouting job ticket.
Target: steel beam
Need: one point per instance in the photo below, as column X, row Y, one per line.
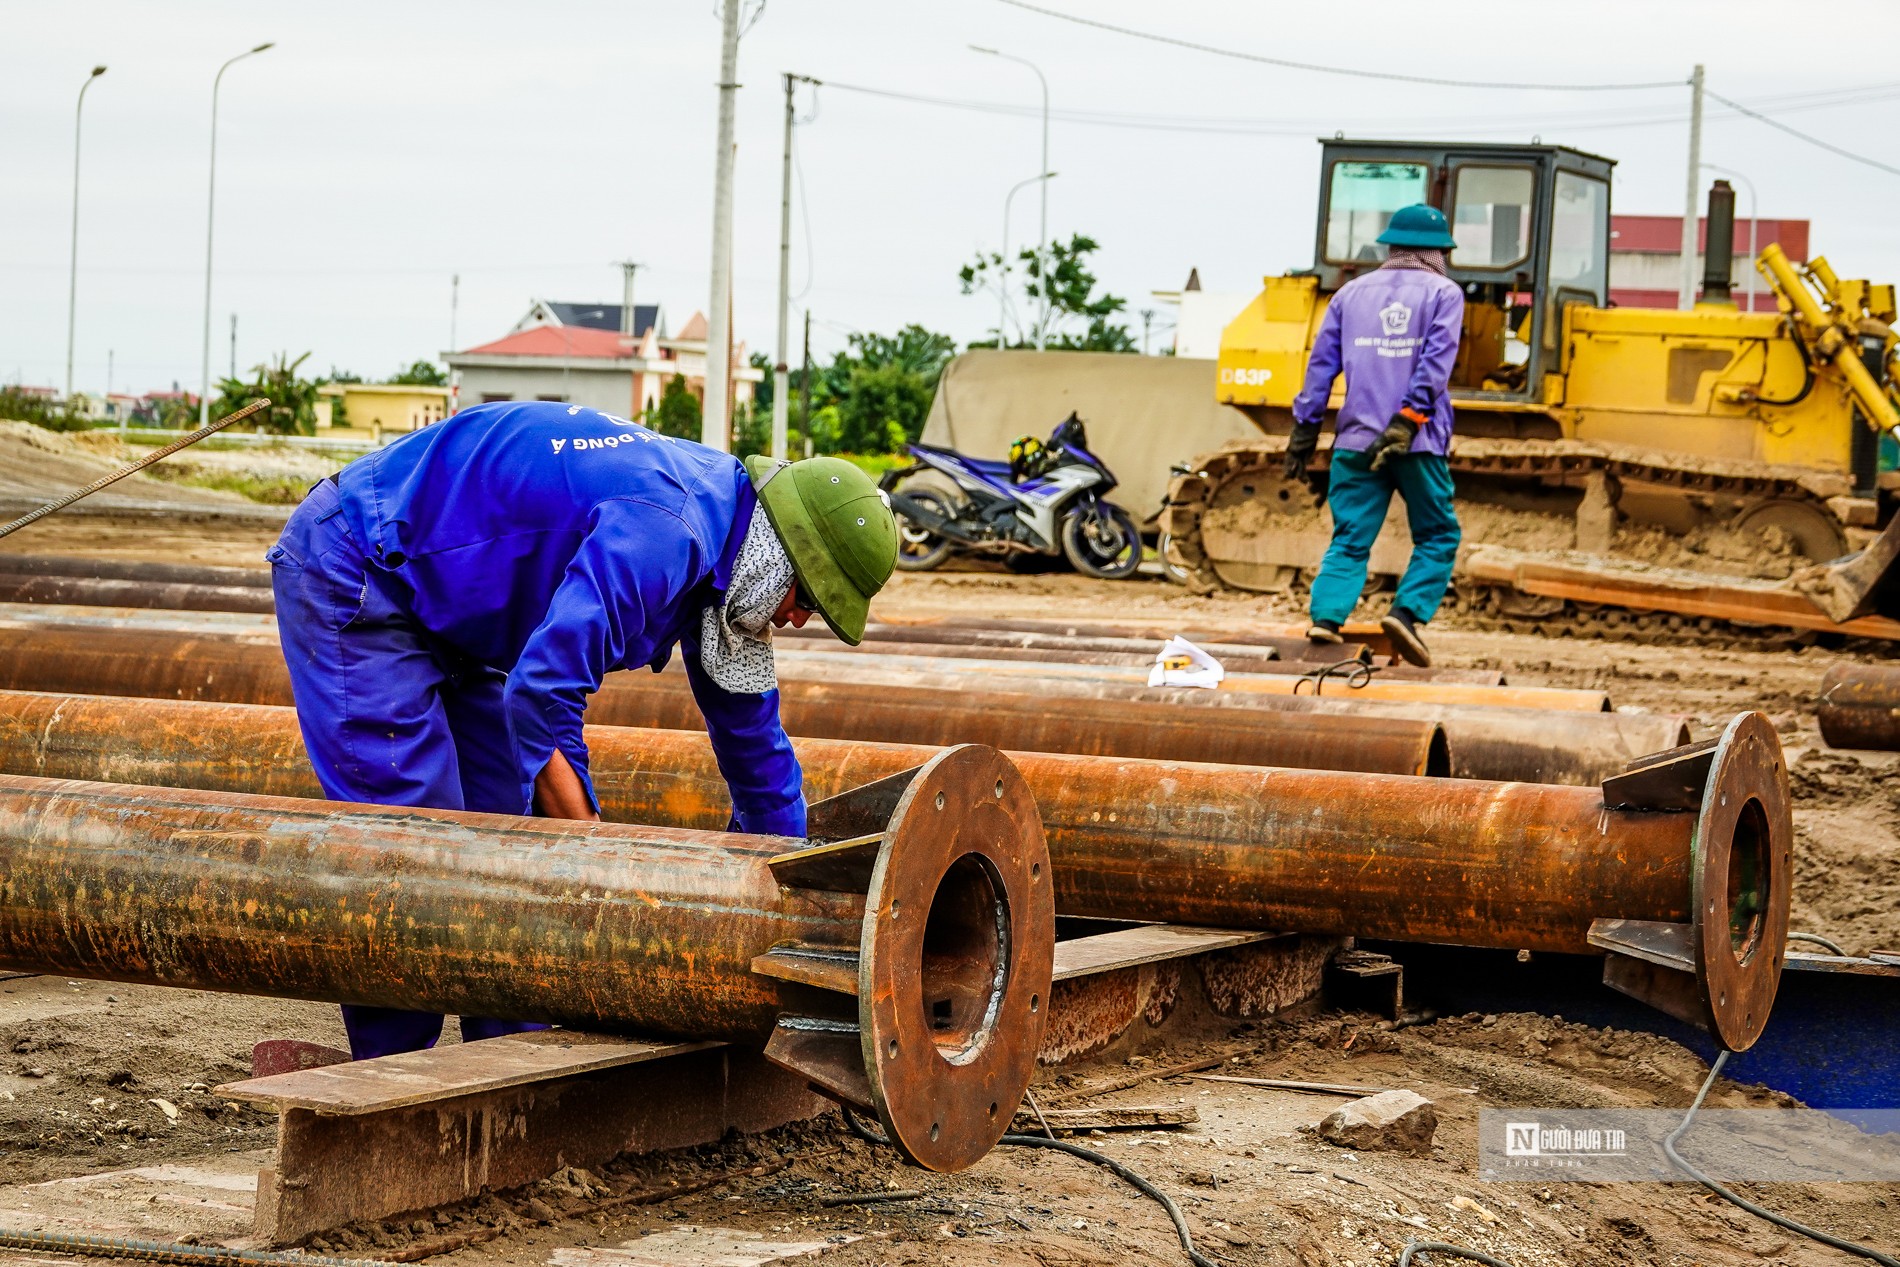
column 1698, row 839
column 1860, row 707
column 904, row 970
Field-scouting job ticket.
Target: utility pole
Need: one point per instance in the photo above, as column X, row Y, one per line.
column 234, row 345
column 72, row 270
column 712, row 423
column 781, row 383
column 455, row 303
column 804, row 386
column 1691, row 207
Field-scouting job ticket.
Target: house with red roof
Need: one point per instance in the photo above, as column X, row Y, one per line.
column 604, row 356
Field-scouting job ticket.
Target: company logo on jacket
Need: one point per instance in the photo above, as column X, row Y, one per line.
column 1396, row 318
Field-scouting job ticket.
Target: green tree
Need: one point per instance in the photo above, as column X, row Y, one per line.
column 762, row 394
column 677, row 414
column 884, row 406
column 421, row 374
column 1077, row 317
column 293, row 407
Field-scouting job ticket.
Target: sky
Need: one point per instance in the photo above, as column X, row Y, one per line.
column 382, row 148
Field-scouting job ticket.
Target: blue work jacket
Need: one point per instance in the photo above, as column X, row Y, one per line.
column 1394, row 333
column 556, row 544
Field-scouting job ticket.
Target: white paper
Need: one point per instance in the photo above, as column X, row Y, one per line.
column 1181, row 663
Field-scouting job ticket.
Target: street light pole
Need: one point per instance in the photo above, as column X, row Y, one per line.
column 211, row 203
column 1042, row 325
column 1754, row 208
column 1002, row 285
column 72, row 273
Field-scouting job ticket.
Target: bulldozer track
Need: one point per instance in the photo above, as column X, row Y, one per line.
column 1548, row 463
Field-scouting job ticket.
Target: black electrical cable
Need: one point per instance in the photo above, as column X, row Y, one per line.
column 1759, row 117
column 1353, row 72
column 1832, row 947
column 1354, row 673
column 1760, row 1212
column 1413, row 1248
column 1109, row 1164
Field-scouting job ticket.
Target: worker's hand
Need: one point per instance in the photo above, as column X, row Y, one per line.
column 1396, row 438
column 1300, row 446
column 559, row 793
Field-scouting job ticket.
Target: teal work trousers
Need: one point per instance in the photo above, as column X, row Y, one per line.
column 1358, row 498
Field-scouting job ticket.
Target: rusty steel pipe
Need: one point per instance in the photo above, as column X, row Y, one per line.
column 905, row 971
column 1011, row 675
column 1515, row 866
column 22, row 587
column 1859, row 707
column 1289, row 641
column 133, row 570
column 1509, row 744
column 241, row 672
column 1112, row 652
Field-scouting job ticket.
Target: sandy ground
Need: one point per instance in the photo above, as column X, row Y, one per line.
column 81, row 1063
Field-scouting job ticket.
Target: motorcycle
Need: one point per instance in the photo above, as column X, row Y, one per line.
column 1047, row 500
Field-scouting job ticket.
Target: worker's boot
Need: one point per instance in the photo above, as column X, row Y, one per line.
column 1325, row 633
column 1404, row 629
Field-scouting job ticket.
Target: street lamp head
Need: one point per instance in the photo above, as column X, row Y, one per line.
column 98, row 71
column 266, row 44
column 978, row 48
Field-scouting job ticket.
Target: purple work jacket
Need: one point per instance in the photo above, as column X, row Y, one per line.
column 1393, row 332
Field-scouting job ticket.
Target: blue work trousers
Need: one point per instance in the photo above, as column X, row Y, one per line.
column 387, row 718
column 1358, row 497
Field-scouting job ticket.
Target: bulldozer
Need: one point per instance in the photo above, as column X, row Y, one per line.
column 1619, row 470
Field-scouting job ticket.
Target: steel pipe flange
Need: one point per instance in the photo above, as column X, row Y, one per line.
column 955, row 958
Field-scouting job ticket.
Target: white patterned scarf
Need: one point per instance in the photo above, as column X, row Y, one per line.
column 735, row 638
column 1415, row 257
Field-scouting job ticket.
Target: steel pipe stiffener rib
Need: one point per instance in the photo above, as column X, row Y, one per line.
column 904, row 970
column 1859, row 707
column 1691, row 846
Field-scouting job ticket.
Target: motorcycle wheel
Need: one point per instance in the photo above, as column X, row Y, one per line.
column 1105, row 544
column 918, row 549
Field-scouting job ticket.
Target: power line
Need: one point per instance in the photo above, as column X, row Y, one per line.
column 1468, row 124
column 1811, row 140
column 1317, row 68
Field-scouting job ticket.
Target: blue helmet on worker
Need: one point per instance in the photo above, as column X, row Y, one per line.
column 1419, row 226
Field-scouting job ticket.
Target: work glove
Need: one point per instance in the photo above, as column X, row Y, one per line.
column 1300, row 446
column 1396, row 438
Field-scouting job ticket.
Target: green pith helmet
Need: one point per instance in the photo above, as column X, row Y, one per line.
column 1419, row 226
column 838, row 531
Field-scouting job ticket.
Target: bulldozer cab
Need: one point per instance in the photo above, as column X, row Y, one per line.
column 1532, row 226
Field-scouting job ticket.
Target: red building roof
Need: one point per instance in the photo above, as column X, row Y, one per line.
column 558, row 341
column 1662, row 235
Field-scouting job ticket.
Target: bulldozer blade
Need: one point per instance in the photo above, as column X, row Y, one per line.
column 1858, row 584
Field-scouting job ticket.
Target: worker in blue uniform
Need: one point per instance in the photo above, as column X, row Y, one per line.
column 448, row 603
column 1394, row 333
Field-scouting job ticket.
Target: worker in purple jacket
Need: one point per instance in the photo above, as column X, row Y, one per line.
column 1394, row 334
